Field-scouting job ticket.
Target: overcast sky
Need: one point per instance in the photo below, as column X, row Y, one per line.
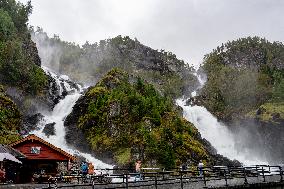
column 188, row 28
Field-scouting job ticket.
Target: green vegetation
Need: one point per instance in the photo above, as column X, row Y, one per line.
column 272, row 112
column 243, row 75
column 19, row 61
column 10, row 119
column 128, row 117
column 168, row 74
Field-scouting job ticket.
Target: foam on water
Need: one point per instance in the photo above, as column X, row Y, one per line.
column 58, row 115
column 218, row 134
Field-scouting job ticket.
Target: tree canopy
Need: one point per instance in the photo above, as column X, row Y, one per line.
column 242, row 75
column 19, row 61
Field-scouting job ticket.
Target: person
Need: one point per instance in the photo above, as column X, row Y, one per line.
column 91, row 169
column 138, row 170
column 84, row 171
column 184, row 167
column 138, row 166
column 2, row 175
column 200, row 168
column 84, row 168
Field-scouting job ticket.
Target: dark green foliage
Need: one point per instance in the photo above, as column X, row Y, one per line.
column 170, row 75
column 133, row 120
column 10, row 119
column 242, row 75
column 278, row 92
column 18, row 55
column 7, row 28
column 18, row 12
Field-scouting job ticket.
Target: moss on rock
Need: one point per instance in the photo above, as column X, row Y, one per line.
column 10, row 119
column 269, row 112
column 132, row 120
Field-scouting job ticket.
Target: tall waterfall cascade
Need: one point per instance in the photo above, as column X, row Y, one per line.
column 221, row 138
column 58, row 115
column 218, row 134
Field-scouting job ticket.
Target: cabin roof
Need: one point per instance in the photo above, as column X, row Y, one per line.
column 32, row 137
column 7, row 149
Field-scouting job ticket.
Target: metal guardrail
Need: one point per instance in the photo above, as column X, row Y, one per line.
column 174, row 176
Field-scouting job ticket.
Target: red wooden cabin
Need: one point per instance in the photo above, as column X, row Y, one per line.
column 41, row 157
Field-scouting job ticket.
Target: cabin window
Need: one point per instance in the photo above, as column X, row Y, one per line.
column 35, row 150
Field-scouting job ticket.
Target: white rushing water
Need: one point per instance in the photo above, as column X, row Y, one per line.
column 215, row 132
column 58, row 115
column 221, row 138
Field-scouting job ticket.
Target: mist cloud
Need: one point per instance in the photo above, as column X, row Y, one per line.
column 189, row 28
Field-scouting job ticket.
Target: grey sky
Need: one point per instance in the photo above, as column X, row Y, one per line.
column 188, row 28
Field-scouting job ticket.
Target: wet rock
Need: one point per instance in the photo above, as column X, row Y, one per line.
column 49, row 129
column 30, row 122
column 73, row 85
column 275, row 116
column 260, row 111
column 30, row 48
column 54, row 94
column 263, row 139
column 217, row 159
column 179, row 110
column 192, row 101
column 221, row 160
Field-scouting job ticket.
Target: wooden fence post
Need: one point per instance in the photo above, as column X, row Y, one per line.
column 181, row 181
column 204, row 178
column 126, row 181
column 226, row 180
column 262, row 169
column 245, row 176
column 281, row 174
column 156, row 184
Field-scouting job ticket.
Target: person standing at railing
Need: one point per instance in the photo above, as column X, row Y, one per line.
column 184, row 167
column 84, row 168
column 2, row 175
column 138, row 165
column 200, row 168
column 91, row 169
column 84, row 171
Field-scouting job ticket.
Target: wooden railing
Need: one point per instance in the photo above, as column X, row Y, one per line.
column 155, row 177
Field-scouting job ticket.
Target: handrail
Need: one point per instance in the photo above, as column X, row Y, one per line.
column 174, row 176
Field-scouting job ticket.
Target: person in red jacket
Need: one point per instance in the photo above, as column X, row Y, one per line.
column 2, row 175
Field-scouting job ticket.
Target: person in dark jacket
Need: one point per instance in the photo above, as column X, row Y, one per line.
column 84, row 168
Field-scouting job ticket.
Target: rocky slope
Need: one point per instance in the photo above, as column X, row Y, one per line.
column 21, row 76
column 10, row 119
column 243, row 75
column 124, row 118
column 245, row 89
column 87, row 64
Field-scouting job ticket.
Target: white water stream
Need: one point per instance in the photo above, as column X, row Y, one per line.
column 221, row 138
column 215, row 132
column 58, row 115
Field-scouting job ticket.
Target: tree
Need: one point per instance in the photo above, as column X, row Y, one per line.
column 7, row 28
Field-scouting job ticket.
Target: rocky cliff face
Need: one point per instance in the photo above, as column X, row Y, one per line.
column 242, row 75
column 263, row 139
column 245, row 89
column 21, row 75
column 88, row 64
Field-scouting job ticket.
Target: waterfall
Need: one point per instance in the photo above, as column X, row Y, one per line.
column 58, row 115
column 218, row 134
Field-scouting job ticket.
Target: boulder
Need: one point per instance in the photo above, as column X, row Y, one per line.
column 49, row 129
column 30, row 122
